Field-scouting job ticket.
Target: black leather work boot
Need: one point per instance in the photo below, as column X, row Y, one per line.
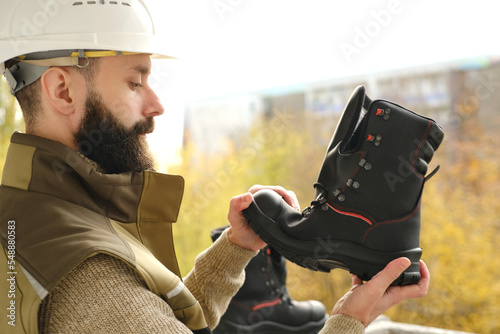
column 367, row 206
column 263, row 306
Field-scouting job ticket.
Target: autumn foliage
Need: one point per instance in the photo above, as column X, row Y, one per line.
column 460, row 214
column 460, row 232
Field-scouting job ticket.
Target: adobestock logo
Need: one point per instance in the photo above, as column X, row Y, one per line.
column 222, row 7
column 363, row 36
column 48, row 9
column 36, row 20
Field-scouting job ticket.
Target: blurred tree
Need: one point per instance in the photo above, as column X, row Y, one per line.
column 10, row 118
column 460, row 237
column 460, row 215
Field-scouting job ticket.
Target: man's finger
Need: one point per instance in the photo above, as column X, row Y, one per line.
column 237, row 204
column 288, row 195
column 280, row 190
column 390, row 273
column 291, row 199
column 356, row 280
column 420, row 289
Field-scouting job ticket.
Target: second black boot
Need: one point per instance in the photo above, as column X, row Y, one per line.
column 263, row 305
column 366, row 211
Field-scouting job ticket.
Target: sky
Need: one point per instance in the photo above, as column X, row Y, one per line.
column 229, row 47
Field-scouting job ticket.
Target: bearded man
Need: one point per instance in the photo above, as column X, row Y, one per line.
column 85, row 221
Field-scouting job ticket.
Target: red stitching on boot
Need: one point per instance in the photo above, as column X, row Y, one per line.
column 390, row 222
column 267, row 304
column 345, row 213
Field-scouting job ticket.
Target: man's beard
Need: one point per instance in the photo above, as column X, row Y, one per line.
column 104, row 140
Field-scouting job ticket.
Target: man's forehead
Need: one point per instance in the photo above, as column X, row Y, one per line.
column 140, row 63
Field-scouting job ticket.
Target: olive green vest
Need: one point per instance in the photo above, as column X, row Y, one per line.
column 56, row 211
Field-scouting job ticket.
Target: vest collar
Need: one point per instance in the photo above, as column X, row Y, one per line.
column 49, row 167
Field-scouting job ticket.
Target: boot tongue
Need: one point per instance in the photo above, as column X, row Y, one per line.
column 353, row 138
column 351, row 116
column 354, row 142
column 345, row 133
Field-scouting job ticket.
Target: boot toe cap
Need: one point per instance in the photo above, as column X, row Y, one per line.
column 269, row 202
column 317, row 310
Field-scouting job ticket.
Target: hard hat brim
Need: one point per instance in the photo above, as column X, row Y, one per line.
column 137, row 43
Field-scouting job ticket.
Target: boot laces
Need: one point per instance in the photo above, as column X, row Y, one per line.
column 320, row 200
column 282, row 292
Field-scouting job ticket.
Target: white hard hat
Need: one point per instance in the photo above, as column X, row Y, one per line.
column 77, row 28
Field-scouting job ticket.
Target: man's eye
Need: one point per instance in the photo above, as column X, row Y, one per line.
column 135, row 85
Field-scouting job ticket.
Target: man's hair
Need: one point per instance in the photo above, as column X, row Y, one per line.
column 29, row 96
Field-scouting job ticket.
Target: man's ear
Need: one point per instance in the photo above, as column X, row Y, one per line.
column 59, row 89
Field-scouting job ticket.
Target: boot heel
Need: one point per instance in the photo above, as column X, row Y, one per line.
column 409, row 276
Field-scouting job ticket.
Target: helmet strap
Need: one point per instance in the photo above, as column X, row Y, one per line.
column 22, row 74
column 31, row 67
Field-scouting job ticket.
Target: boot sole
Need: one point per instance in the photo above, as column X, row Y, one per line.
column 324, row 254
column 269, row 327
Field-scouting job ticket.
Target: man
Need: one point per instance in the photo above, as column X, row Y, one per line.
column 85, row 224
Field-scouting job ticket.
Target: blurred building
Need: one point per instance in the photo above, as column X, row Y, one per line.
column 450, row 93
column 210, row 124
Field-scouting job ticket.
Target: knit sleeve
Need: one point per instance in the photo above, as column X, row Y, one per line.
column 104, row 295
column 342, row 324
column 217, row 275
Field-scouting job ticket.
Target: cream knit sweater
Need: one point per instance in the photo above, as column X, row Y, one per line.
column 104, row 295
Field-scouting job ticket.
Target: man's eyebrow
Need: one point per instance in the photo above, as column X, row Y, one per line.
column 141, row 69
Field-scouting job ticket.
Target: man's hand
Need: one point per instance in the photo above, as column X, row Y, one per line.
column 240, row 233
column 366, row 301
